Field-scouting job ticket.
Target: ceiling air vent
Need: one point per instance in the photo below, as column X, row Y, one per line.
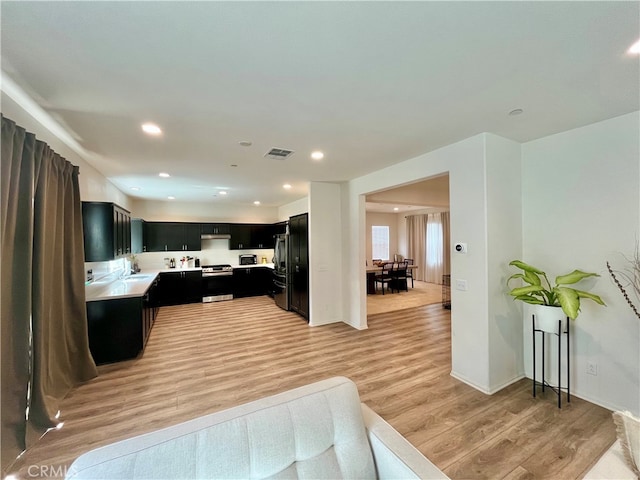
column 278, row 153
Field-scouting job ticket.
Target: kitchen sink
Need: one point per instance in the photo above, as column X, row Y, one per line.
column 138, row 278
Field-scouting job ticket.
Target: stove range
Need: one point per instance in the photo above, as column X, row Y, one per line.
column 214, row 270
column 217, row 283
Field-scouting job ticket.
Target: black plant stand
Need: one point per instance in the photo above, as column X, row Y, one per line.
column 557, row 389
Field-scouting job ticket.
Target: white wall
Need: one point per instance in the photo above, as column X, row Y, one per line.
column 293, row 208
column 469, row 309
column 325, row 254
column 383, row 219
column 469, row 317
column 167, row 211
column 504, row 232
column 581, row 205
column 93, row 185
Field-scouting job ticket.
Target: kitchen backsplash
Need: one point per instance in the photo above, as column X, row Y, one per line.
column 213, row 252
column 100, row 270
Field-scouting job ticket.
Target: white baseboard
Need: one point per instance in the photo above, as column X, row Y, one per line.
column 490, row 390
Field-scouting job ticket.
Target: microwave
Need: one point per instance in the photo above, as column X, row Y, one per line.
column 248, row 259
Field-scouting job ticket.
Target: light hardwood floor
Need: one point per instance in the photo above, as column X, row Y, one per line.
column 202, row 358
column 422, row 293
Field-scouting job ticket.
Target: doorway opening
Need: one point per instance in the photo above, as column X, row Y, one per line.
column 415, row 218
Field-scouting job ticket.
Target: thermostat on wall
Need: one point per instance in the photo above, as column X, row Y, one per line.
column 461, row 247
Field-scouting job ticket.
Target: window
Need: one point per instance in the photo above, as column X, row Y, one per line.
column 380, row 242
column 434, row 242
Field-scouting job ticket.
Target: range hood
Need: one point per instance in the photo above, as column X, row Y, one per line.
column 215, row 236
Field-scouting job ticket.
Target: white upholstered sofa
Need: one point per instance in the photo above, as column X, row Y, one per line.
column 317, row 431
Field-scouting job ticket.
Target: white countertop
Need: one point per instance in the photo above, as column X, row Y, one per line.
column 136, row 285
column 132, row 286
column 266, row 265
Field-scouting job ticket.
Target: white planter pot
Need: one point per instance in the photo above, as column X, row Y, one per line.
column 546, row 318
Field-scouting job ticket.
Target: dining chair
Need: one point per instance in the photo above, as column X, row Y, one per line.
column 409, row 270
column 384, row 277
column 399, row 276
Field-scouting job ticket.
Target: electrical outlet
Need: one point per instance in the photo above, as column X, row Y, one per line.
column 461, row 285
column 592, row 368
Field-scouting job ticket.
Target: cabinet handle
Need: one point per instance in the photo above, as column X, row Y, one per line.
column 144, row 248
column 165, row 248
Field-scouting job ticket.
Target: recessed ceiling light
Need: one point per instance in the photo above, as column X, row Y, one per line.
column 257, row 202
column 286, row 186
column 151, row 129
column 135, row 189
column 395, row 209
column 171, row 197
column 515, row 112
column 245, row 143
column 222, row 192
column 164, row 175
column 634, row 49
column 317, row 155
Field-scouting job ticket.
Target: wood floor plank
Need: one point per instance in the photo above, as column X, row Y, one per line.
column 203, row 358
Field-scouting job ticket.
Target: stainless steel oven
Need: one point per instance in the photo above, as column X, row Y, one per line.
column 217, row 283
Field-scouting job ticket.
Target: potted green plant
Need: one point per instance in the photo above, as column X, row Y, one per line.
column 550, row 304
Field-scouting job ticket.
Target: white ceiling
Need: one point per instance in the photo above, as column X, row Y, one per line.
column 369, row 83
column 430, row 193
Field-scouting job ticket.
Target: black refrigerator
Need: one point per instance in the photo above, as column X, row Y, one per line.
column 281, row 276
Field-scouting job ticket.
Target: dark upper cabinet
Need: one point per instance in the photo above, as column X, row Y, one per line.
column 263, row 236
column 107, row 231
column 154, row 237
column 216, row 229
column 280, row 227
column 172, row 236
column 299, row 264
column 138, row 235
column 246, row 236
column 192, row 236
column 240, row 236
column 177, row 236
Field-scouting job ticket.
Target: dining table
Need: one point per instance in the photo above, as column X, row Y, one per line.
column 373, row 270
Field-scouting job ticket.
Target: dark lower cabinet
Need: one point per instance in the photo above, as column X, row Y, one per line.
column 252, row 281
column 119, row 328
column 177, row 288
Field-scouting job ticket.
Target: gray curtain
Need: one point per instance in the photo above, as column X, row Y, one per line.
column 446, row 243
column 45, row 347
column 416, row 244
